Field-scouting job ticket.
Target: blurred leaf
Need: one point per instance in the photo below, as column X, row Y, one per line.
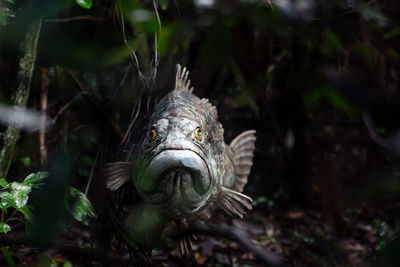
column 6, row 199
column 326, row 94
column 331, row 45
column 27, row 161
column 4, row 13
column 4, row 184
column 167, row 37
column 79, row 205
column 27, row 213
column 68, row 264
column 7, row 256
column 164, row 4
column 393, row 33
column 144, row 19
column 117, row 55
column 4, row 206
column 85, row 3
column 144, row 226
column 4, row 228
column 373, row 14
column 20, row 194
column 366, row 52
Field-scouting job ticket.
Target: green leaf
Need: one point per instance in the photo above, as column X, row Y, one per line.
column 20, row 194
column 7, row 199
column 144, row 19
column 79, row 205
column 27, row 212
column 4, row 13
column 35, row 179
column 164, row 4
column 4, row 206
column 7, row 257
column 68, row 264
column 85, row 3
column 4, row 228
column 27, row 161
column 4, row 184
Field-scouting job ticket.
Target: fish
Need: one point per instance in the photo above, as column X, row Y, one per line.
column 183, row 168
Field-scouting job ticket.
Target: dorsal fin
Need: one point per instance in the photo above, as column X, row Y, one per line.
column 181, row 80
column 210, row 107
column 243, row 151
column 117, row 173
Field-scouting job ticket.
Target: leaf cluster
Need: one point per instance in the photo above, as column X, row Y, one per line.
column 15, row 196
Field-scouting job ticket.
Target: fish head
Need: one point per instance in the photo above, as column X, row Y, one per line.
column 179, row 155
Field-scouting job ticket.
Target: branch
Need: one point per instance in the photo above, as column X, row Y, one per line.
column 21, row 94
column 75, row 19
column 239, row 236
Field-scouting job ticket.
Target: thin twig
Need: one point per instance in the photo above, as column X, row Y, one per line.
column 11, row 216
column 132, row 53
column 354, row 10
column 78, row 82
column 92, row 171
column 93, row 18
column 112, row 123
column 66, row 106
column 43, row 105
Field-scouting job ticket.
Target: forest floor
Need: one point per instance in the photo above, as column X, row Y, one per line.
column 301, row 236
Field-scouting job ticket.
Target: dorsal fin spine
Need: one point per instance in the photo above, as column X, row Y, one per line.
column 182, row 81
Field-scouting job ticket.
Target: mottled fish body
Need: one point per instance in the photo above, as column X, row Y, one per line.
column 185, row 167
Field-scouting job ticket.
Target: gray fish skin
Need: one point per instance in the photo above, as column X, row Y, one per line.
column 183, row 166
column 199, row 163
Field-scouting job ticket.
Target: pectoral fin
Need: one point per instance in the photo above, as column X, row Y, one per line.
column 117, row 173
column 234, row 203
column 243, row 151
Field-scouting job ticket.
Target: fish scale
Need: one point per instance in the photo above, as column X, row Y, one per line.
column 185, row 167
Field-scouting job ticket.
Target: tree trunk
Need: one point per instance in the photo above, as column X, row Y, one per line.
column 21, row 94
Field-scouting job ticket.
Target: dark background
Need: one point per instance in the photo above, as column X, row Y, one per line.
column 318, row 80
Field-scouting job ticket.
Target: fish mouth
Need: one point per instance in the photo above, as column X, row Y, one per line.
column 178, row 175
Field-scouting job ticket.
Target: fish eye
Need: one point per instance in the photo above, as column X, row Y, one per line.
column 198, row 134
column 153, row 135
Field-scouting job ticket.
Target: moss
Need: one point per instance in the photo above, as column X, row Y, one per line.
column 20, row 98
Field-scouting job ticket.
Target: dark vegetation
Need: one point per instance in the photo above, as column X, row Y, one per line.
column 318, row 80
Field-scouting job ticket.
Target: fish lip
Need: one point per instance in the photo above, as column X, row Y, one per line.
column 167, row 200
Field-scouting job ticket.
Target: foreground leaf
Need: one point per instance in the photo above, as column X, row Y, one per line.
column 27, row 212
column 4, row 228
column 20, row 194
column 35, row 179
column 79, row 205
column 7, row 256
column 7, row 200
column 85, row 3
column 4, row 184
column 164, row 4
